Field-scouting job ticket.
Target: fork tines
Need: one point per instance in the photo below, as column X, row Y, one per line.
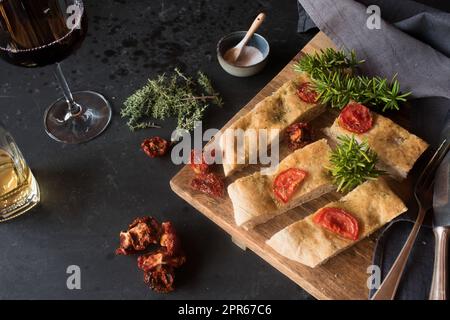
column 426, row 178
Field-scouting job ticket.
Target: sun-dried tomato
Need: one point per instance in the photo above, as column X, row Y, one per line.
column 161, row 279
column 158, row 265
column 150, row 261
column 210, row 184
column 155, row 147
column 198, row 163
column 169, row 239
column 306, row 92
column 299, row 135
column 141, row 233
column 356, row 118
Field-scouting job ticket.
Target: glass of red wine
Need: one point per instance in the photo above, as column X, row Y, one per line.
column 36, row 33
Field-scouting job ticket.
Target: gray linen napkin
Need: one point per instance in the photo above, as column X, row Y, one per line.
column 414, row 42
column 422, row 69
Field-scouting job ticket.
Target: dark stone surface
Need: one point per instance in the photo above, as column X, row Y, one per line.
column 90, row 192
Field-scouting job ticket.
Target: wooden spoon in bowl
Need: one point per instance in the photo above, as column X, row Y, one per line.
column 232, row 55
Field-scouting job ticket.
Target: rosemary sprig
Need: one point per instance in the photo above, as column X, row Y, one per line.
column 332, row 74
column 176, row 96
column 352, row 163
column 327, row 60
column 337, row 89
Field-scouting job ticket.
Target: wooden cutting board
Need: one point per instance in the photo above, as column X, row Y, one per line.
column 342, row 277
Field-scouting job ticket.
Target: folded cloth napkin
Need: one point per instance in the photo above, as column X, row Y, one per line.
column 412, row 42
column 422, row 67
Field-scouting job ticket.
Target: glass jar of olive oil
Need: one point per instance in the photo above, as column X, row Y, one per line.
column 19, row 190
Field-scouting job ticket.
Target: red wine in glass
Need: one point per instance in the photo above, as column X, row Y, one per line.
column 36, row 33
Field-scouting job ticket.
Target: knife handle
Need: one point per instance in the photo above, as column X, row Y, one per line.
column 439, row 283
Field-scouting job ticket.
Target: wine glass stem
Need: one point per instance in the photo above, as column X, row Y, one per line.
column 74, row 108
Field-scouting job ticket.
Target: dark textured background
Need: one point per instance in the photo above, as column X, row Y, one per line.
column 90, row 192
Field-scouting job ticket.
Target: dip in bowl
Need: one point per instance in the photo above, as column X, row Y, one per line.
column 252, row 59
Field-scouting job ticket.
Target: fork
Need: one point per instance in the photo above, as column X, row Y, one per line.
column 424, row 197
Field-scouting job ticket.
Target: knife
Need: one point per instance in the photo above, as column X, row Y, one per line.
column 441, row 223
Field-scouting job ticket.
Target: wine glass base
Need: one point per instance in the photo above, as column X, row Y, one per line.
column 93, row 119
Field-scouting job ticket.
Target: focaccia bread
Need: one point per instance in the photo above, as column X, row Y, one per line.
column 278, row 111
column 253, row 198
column 397, row 149
column 373, row 204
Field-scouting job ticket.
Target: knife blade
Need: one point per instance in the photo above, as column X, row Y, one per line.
column 441, row 222
column 441, row 205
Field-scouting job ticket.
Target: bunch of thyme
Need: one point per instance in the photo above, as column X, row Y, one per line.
column 352, row 163
column 332, row 74
column 170, row 96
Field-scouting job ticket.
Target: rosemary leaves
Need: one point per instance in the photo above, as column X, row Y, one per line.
column 352, row 163
column 326, row 61
column 332, row 74
column 175, row 96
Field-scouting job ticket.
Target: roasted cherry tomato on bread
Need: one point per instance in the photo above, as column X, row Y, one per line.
column 209, row 183
column 338, row 221
column 155, row 147
column 306, row 92
column 298, row 135
column 287, row 182
column 356, row 118
column 198, row 162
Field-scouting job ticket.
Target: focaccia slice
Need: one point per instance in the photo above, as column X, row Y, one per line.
column 373, row 204
column 253, row 199
column 397, row 149
column 277, row 111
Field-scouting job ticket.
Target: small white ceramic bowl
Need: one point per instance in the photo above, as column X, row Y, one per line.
column 233, row 39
